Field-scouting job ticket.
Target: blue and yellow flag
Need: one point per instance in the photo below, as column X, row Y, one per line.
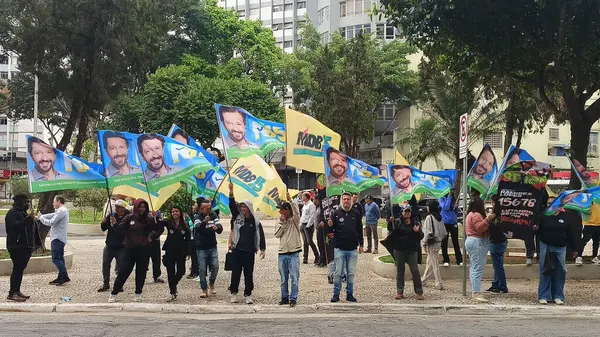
column 345, row 174
column 484, row 171
column 250, row 177
column 405, row 181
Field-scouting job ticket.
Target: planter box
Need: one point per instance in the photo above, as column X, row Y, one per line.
column 37, row 265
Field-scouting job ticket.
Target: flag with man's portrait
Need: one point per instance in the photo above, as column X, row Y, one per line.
column 50, row 169
column 588, row 179
column 244, row 135
column 577, row 200
column 483, row 171
column 119, row 158
column 513, row 156
column 405, row 181
column 346, row 174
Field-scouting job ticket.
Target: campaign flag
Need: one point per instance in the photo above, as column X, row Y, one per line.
column 449, row 175
column 345, row 174
column 399, row 159
column 119, row 158
column 276, row 193
column 139, row 191
column 50, row 169
column 513, row 155
column 244, row 135
column 215, row 178
column 519, row 195
column 578, row 200
column 405, row 181
column 250, row 176
column 484, row 171
column 165, row 161
column 306, row 138
column 587, row 181
column 181, row 136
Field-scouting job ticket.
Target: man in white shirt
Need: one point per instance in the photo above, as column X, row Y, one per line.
column 308, row 228
column 58, row 222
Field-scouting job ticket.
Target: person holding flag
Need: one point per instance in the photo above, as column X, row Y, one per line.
column 290, row 246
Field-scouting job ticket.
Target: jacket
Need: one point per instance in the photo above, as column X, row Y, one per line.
column 288, row 233
column 405, row 239
column 554, row 230
column 496, row 233
column 592, row 219
column 476, row 226
column 205, row 237
column 140, row 229
column 449, row 216
column 238, row 220
column 347, row 229
column 177, row 237
column 21, row 230
column 359, row 207
column 115, row 236
column 432, row 225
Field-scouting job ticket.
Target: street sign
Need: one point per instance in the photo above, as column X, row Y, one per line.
column 298, row 170
column 463, row 136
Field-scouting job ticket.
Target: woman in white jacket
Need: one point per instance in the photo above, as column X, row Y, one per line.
column 434, row 232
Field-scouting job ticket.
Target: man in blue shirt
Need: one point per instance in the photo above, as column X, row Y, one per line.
column 449, row 217
column 372, row 216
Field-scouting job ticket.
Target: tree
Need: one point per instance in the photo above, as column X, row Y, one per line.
column 94, row 198
column 552, row 45
column 424, row 141
column 343, row 83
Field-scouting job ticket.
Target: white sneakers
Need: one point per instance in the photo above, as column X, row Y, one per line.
column 112, row 298
column 138, row 298
column 234, row 298
column 446, row 264
column 579, row 261
column 559, row 302
column 596, row 260
column 478, row 297
column 460, row 264
column 543, row 302
column 529, row 262
column 249, row 299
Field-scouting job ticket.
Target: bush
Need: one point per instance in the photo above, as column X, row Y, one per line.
column 92, row 197
column 20, row 185
column 181, row 199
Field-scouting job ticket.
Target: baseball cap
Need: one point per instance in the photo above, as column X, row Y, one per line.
column 120, row 203
column 405, row 207
column 285, row 206
column 369, row 197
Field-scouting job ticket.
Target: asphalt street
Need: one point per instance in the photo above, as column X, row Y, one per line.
column 347, row 325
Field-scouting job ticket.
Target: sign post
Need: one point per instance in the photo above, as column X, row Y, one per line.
column 298, row 172
column 462, row 151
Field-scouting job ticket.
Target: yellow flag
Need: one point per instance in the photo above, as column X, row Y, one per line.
column 276, row 192
column 306, row 137
column 250, row 177
column 138, row 191
column 293, row 192
column 400, row 160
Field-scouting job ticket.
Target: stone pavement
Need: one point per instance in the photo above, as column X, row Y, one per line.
column 370, row 288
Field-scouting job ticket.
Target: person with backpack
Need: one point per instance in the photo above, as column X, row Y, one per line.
column 434, row 232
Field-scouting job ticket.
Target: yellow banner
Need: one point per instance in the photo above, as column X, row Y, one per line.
column 305, row 138
column 276, row 192
column 139, row 191
column 400, row 160
column 250, row 177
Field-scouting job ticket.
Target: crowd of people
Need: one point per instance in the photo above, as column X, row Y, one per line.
column 133, row 233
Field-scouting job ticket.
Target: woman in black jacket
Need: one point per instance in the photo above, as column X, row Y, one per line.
column 175, row 247
column 407, row 235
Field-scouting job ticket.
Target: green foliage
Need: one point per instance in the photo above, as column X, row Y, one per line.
column 20, row 185
column 92, row 197
column 424, row 141
column 181, row 198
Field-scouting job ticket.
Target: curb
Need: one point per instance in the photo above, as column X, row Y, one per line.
column 327, row 308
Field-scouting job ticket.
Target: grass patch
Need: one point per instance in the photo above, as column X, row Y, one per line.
column 5, row 255
column 85, row 217
column 3, row 212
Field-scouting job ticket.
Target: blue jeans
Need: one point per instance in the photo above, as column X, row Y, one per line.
column 289, row 269
column 477, row 248
column 207, row 257
column 345, row 263
column 497, row 251
column 58, row 258
column 552, row 287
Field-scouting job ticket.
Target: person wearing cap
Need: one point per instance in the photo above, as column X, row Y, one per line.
column 206, row 227
column 407, row 235
column 22, row 237
column 372, row 215
column 290, row 246
column 245, row 240
column 115, row 236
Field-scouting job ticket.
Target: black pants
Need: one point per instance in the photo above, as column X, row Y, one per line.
column 307, row 238
column 410, row 258
column 138, row 257
column 155, row 255
column 532, row 246
column 452, row 230
column 175, row 264
column 194, row 257
column 321, row 244
column 590, row 233
column 242, row 261
column 110, row 253
column 20, row 258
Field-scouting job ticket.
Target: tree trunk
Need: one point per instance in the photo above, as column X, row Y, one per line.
column 511, row 120
column 520, row 131
column 82, row 134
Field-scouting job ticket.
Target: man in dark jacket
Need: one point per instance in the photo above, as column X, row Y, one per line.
column 206, row 227
column 347, row 235
column 319, row 223
column 22, row 236
column 114, row 242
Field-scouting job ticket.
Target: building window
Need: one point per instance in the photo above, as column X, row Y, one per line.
column 288, row 7
column 254, row 13
column 354, row 7
column 352, row 31
column 386, row 112
column 325, row 37
column 557, row 151
column 288, row 25
column 3, row 121
column 4, row 75
column 494, row 140
column 287, row 44
column 277, row 8
column 301, row 4
column 323, row 15
column 242, row 13
column 277, row 26
column 3, row 59
column 554, row 134
column 385, row 31
column 593, row 146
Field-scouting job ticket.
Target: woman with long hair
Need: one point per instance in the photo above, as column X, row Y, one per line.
column 477, row 244
column 175, row 247
column 434, row 232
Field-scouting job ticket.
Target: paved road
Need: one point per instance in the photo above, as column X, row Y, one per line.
column 121, row 324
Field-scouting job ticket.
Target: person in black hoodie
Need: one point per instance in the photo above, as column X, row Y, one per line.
column 206, row 227
column 22, row 236
column 114, row 242
column 175, row 247
column 140, row 230
column 407, row 235
column 319, row 224
column 347, row 235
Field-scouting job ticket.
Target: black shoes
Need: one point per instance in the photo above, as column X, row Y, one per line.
column 367, row 251
column 63, row 281
column 351, row 298
column 284, row 301
column 54, row 282
column 159, row 280
column 330, row 279
column 20, row 294
column 293, row 303
column 15, row 298
column 335, row 299
column 305, row 261
column 104, row 288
